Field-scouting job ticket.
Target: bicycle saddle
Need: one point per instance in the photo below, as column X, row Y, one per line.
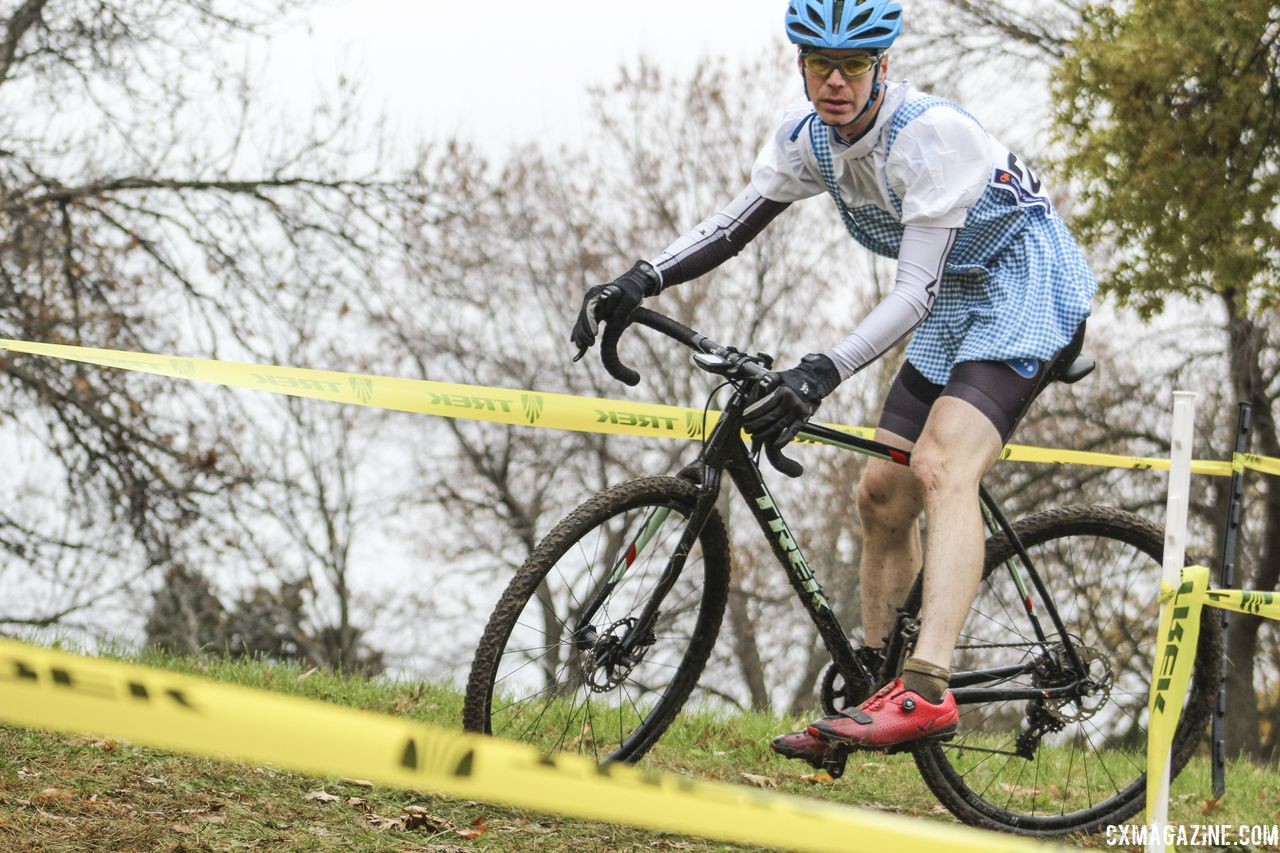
column 1077, row 370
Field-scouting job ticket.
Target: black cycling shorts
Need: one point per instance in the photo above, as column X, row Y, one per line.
column 1001, row 390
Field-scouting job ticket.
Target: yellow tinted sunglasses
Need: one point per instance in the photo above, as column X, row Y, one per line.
column 850, row 66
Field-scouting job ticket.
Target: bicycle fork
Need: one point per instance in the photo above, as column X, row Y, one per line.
column 640, row 634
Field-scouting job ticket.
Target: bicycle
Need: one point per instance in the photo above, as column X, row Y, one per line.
column 602, row 635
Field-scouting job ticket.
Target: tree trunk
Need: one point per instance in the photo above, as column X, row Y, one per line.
column 745, row 647
column 1247, row 341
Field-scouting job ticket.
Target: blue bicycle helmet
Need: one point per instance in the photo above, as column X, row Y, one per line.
column 844, row 24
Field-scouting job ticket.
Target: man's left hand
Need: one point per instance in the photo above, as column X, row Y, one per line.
column 789, row 398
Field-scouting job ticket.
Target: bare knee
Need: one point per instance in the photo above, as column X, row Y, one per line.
column 888, row 497
column 939, row 473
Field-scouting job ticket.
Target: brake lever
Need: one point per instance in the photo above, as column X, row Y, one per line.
column 780, row 462
column 784, row 464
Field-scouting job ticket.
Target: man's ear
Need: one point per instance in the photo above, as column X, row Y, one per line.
column 884, row 68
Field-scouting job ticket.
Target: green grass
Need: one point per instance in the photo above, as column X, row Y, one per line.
column 67, row 793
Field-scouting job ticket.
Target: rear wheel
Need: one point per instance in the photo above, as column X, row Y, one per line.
column 1074, row 763
column 545, row 674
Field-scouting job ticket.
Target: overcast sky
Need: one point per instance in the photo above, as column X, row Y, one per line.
column 439, row 67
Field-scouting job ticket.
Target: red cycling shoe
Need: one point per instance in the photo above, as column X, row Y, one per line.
column 893, row 715
column 803, row 746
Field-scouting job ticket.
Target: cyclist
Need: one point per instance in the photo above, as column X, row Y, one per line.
column 989, row 279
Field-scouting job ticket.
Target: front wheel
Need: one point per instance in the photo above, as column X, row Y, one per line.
column 560, row 665
column 1076, row 762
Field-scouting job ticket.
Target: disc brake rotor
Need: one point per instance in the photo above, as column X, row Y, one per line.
column 604, row 664
column 1096, row 683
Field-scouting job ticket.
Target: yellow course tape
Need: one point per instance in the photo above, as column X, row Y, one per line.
column 46, row 689
column 1252, row 602
column 520, row 407
column 1265, row 464
column 1020, row 453
column 472, row 402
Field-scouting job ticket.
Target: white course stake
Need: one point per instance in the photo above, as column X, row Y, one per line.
column 1175, row 549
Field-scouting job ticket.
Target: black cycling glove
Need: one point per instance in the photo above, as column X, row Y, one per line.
column 625, row 293
column 789, row 398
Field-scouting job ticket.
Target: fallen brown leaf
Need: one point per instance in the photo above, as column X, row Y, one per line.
column 822, row 777
column 479, row 827
column 321, row 796
column 50, row 796
column 182, row 829
column 1210, row 806
column 360, row 783
column 760, row 781
column 417, row 817
column 308, row 674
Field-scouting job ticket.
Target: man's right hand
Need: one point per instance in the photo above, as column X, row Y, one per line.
column 613, row 303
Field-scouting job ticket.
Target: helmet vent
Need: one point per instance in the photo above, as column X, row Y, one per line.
column 870, row 25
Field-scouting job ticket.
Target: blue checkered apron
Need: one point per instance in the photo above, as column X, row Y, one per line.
column 1015, row 285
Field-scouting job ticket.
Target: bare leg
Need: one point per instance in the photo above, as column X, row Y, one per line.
column 889, row 502
column 955, row 449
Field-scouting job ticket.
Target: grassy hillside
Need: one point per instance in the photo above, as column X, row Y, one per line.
column 68, row 793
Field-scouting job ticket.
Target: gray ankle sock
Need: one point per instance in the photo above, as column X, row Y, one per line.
column 926, row 679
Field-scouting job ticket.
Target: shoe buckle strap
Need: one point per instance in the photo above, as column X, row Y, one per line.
column 858, row 716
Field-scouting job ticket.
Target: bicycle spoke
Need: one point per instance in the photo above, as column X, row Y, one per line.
column 588, row 689
column 1084, row 770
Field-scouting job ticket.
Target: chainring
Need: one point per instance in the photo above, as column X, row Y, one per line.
column 836, row 690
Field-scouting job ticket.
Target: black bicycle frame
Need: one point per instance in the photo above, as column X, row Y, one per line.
column 725, row 450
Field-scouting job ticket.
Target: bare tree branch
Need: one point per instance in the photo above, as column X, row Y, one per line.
column 23, row 19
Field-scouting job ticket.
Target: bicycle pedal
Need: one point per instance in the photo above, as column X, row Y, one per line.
column 835, row 760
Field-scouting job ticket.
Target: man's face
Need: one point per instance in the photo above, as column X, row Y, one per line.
column 837, row 98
